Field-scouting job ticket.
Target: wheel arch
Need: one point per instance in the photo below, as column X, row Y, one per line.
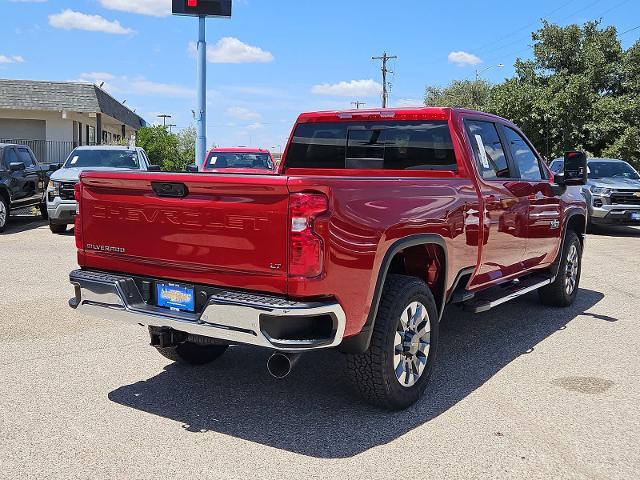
column 435, row 249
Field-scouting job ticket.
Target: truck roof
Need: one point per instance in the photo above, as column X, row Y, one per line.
column 106, row 147
column 404, row 113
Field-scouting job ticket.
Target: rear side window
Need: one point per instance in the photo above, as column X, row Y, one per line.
column 423, row 145
column 488, row 150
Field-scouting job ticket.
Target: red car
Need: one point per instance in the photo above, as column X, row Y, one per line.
column 239, row 160
column 374, row 222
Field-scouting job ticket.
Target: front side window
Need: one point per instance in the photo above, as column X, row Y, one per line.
column 26, row 157
column 125, row 159
column 523, row 156
column 10, row 157
column 416, row 145
column 488, row 150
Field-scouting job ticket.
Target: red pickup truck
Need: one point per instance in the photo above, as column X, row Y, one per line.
column 374, row 222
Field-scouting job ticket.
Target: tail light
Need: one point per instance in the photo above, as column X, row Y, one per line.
column 306, row 250
column 77, row 194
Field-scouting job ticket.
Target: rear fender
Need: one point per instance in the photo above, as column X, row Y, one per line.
column 360, row 342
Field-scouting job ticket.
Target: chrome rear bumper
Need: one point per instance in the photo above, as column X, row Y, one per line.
column 228, row 315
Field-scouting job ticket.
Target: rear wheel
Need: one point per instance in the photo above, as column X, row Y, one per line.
column 562, row 292
column 394, row 372
column 59, row 229
column 192, row 353
column 43, row 211
column 4, row 213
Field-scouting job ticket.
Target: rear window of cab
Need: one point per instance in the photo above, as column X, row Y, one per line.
column 415, row 145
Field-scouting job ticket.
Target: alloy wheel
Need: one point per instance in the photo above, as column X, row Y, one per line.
column 571, row 272
column 412, row 344
column 3, row 214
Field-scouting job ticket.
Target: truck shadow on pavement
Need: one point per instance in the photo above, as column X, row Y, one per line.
column 313, row 412
column 23, row 223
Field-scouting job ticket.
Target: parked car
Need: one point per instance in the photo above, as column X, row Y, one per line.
column 61, row 204
column 22, row 181
column 375, row 222
column 612, row 192
column 238, row 160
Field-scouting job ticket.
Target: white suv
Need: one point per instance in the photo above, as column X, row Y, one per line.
column 61, row 205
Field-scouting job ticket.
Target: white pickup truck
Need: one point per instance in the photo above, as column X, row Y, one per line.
column 61, row 204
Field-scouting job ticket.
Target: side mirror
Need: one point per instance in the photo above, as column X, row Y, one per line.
column 54, row 167
column 16, row 166
column 575, row 168
column 154, row 168
column 192, row 168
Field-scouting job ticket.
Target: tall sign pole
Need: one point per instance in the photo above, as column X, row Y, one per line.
column 202, row 9
column 201, row 117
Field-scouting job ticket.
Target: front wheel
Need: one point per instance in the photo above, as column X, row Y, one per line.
column 58, row 229
column 4, row 213
column 394, row 372
column 563, row 291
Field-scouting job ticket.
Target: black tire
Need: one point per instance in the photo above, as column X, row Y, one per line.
column 43, row 211
column 373, row 373
column 557, row 294
column 58, row 229
column 6, row 211
column 192, row 353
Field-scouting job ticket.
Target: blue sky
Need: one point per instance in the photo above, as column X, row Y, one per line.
column 276, row 58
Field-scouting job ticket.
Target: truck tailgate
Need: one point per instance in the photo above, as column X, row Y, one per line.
column 228, row 231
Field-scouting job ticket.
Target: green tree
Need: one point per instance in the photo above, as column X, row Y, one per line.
column 460, row 93
column 187, row 146
column 161, row 147
column 580, row 90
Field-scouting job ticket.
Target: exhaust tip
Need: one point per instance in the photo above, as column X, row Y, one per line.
column 280, row 365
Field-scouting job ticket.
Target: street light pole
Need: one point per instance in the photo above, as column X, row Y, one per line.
column 480, row 72
column 201, row 116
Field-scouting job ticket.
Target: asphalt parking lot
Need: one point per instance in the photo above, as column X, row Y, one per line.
column 523, row 391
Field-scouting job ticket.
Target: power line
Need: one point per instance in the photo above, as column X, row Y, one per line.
column 385, row 92
column 630, row 30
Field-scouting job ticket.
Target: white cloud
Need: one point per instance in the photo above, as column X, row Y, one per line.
column 462, row 59
column 156, row 8
column 72, row 20
column 354, row 88
column 4, row 59
column 232, row 50
column 242, row 113
column 255, row 126
column 408, row 102
column 123, row 85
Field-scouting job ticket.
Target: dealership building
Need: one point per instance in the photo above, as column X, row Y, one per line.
column 55, row 117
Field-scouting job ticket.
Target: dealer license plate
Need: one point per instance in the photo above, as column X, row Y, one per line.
column 635, row 215
column 175, row 297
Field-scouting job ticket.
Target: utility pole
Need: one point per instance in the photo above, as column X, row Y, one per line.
column 201, row 116
column 171, row 125
column 164, row 119
column 385, row 92
column 358, row 104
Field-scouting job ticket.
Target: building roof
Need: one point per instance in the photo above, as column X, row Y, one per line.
column 58, row 96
